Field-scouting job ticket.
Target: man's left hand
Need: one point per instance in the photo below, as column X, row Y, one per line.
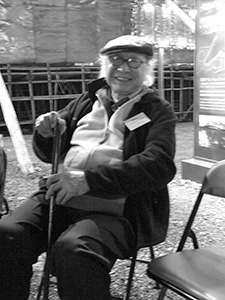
column 66, row 185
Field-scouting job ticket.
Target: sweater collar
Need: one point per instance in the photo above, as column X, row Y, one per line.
column 97, row 84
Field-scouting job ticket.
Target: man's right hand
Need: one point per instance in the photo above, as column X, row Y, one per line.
column 45, row 124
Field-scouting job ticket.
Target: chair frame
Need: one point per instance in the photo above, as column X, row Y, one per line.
column 126, row 296
column 212, row 185
column 134, row 259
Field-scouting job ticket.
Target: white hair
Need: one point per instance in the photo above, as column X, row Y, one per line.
column 149, row 69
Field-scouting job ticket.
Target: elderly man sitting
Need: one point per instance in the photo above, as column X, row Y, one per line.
column 111, row 197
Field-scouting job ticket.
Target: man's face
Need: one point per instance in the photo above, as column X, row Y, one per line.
column 124, row 79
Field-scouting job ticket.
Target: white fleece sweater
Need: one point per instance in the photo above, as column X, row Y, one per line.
column 98, row 140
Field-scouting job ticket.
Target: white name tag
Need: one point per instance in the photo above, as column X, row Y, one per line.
column 137, row 121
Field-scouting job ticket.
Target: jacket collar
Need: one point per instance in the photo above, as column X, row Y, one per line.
column 96, row 84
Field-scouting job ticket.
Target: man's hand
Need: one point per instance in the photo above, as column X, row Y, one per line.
column 46, row 123
column 66, row 185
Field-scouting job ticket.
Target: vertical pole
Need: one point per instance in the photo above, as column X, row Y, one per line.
column 56, row 87
column 161, row 73
column 2, row 174
column 181, row 96
column 83, row 78
column 51, row 105
column 172, row 88
column 31, row 93
column 9, row 80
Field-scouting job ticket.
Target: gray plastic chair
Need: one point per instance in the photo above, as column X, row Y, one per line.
column 197, row 273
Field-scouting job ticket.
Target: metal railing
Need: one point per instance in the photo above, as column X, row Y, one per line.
column 179, row 90
column 37, row 89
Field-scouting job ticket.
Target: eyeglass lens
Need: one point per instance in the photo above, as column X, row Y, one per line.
column 117, row 61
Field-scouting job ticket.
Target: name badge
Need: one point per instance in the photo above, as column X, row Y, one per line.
column 137, row 121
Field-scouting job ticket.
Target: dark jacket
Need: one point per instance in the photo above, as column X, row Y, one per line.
column 142, row 176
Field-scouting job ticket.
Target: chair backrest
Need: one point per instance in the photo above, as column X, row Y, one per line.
column 214, row 181
column 213, row 184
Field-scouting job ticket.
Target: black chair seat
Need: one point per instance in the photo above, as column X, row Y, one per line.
column 199, row 273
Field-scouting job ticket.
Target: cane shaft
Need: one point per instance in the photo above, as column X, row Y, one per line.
column 55, row 164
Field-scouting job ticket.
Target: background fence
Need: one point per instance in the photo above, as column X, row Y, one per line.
column 179, row 90
column 37, row 89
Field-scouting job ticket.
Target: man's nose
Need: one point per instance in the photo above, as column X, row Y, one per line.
column 124, row 67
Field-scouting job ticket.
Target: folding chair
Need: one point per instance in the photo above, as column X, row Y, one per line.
column 196, row 273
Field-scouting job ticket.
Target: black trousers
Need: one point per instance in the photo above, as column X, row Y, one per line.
column 85, row 246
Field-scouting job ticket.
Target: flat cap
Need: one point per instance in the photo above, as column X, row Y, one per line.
column 128, row 43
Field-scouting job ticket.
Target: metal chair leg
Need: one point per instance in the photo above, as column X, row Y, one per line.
column 40, row 287
column 131, row 273
column 152, row 254
column 162, row 293
column 130, row 278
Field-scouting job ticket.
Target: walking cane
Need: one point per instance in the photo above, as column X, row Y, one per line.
column 55, row 163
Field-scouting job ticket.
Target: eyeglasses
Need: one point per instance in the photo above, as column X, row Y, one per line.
column 133, row 63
